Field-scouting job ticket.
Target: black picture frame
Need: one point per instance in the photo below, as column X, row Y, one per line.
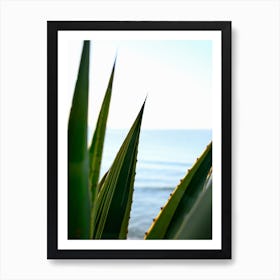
column 53, row 27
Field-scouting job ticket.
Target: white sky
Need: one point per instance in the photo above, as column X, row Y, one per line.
column 175, row 74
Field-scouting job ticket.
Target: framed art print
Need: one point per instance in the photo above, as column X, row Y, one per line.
column 139, row 140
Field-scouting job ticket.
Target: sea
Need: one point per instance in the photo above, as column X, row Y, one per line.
column 164, row 156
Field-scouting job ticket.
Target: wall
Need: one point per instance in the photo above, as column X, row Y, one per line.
column 255, row 128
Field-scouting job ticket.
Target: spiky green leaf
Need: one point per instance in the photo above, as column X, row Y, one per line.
column 115, row 196
column 184, row 197
column 96, row 148
column 198, row 222
column 78, row 192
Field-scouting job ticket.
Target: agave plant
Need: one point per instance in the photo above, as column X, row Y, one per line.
column 100, row 209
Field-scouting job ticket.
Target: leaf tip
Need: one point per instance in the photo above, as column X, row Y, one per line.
column 143, row 106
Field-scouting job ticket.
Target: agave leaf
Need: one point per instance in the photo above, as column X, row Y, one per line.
column 198, row 223
column 172, row 215
column 78, row 192
column 115, row 196
column 96, row 148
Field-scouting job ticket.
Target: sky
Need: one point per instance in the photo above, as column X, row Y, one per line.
column 175, row 75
